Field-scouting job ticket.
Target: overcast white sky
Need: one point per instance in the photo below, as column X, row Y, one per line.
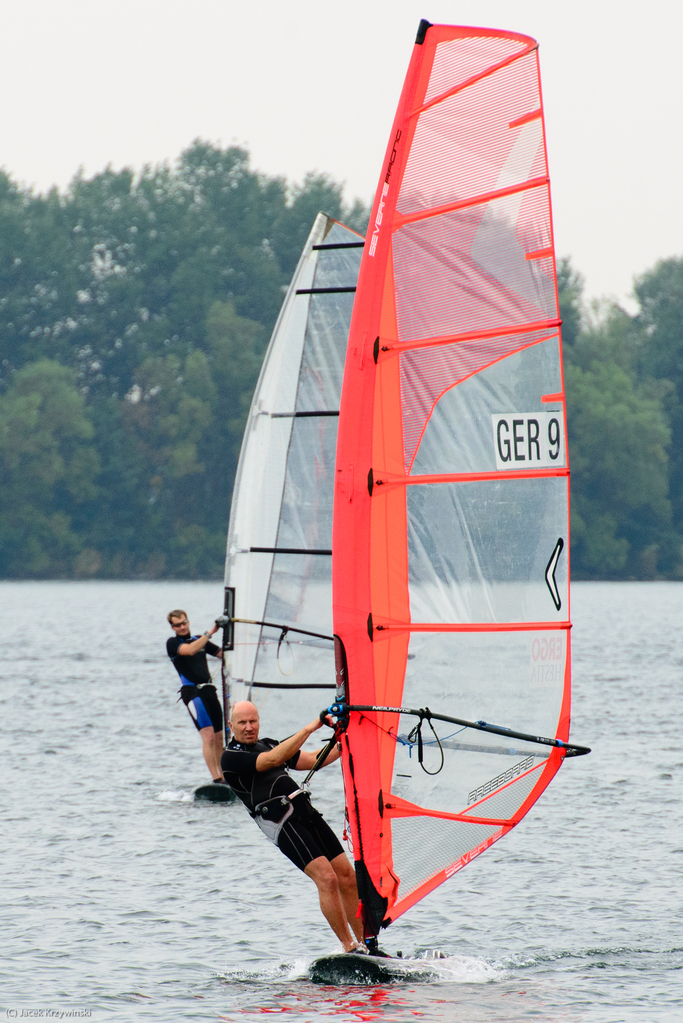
column 313, row 85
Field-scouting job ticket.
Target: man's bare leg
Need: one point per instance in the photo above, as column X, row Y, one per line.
column 209, row 751
column 219, row 743
column 348, row 891
column 321, row 871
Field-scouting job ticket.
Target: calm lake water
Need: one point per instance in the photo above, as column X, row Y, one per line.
column 126, row 900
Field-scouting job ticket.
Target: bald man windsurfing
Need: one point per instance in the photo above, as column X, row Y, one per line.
column 258, row 772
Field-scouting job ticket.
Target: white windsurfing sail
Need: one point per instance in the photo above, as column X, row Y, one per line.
column 279, row 552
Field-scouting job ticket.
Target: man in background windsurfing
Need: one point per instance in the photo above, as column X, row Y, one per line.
column 197, row 691
column 257, row 771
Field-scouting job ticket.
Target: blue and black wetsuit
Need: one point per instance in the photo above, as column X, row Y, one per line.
column 196, row 688
column 305, row 834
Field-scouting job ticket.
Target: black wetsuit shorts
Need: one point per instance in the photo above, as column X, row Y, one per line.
column 204, row 707
column 303, row 840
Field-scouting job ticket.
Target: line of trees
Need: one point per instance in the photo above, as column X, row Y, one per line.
column 134, row 313
column 624, row 386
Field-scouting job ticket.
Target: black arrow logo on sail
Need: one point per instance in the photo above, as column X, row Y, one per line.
column 550, row 570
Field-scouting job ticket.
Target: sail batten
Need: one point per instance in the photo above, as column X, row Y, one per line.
column 474, row 335
column 469, row 626
column 469, row 477
column 476, row 200
column 451, row 516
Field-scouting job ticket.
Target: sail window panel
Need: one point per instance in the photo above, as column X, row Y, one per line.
column 306, row 512
column 513, row 679
column 250, row 575
column 457, row 153
column 260, row 480
column 478, row 552
column 338, row 268
column 279, row 379
column 300, row 661
column 254, row 522
column 262, row 483
column 458, row 60
column 455, row 432
column 467, row 270
column 322, row 365
column 424, row 846
column 338, row 234
column 300, row 593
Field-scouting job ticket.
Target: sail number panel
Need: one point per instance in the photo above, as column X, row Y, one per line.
column 526, row 440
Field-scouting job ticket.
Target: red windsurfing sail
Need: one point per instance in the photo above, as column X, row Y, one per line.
column 450, row 536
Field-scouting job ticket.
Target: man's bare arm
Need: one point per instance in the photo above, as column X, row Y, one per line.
column 307, row 759
column 283, row 751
